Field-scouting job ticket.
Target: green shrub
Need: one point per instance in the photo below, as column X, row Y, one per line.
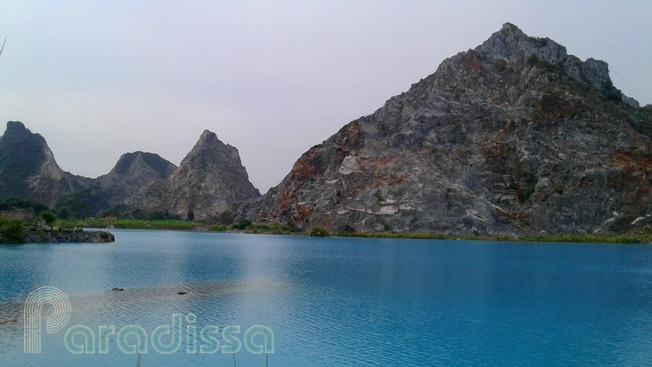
column 241, row 224
column 270, row 228
column 12, row 231
column 533, row 59
column 64, row 213
column 318, row 232
column 48, row 217
column 172, row 224
column 218, row 228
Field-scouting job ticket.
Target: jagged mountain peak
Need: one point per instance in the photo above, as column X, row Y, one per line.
column 17, row 130
column 207, row 135
column 16, row 126
column 209, row 138
column 511, row 42
column 216, row 168
column 210, row 151
column 22, row 153
column 511, row 47
column 28, row 169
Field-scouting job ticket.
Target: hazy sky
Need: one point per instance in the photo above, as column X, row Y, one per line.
column 273, row 78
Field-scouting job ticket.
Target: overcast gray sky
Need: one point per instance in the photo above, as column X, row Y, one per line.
column 273, row 78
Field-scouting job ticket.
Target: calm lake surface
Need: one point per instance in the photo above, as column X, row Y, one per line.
column 344, row 302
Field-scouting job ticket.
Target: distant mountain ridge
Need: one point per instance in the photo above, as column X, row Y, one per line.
column 210, row 179
column 514, row 136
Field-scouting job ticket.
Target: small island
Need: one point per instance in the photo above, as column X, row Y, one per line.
column 22, row 226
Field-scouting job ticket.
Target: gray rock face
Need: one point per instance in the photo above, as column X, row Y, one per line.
column 28, row 169
column 133, row 174
column 513, row 136
column 209, row 180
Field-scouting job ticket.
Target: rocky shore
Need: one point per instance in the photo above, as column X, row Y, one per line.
column 45, row 234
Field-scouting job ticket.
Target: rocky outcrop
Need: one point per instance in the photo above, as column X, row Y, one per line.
column 28, row 169
column 68, row 236
column 39, row 232
column 513, row 136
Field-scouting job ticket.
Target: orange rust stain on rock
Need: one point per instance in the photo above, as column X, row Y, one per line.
column 300, row 214
column 303, row 166
column 286, row 199
column 634, row 166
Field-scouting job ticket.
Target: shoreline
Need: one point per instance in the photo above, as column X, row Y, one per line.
column 278, row 229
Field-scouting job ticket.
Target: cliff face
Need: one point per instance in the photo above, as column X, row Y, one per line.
column 512, row 136
column 28, row 169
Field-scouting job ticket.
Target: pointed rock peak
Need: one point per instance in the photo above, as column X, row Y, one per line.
column 512, row 44
column 513, row 36
column 16, row 127
column 208, row 137
column 208, row 140
column 17, row 132
column 509, row 28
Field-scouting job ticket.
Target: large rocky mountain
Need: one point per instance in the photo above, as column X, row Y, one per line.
column 513, row 136
column 28, row 169
column 210, row 179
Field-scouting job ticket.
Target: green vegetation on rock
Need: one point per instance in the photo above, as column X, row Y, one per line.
column 13, row 203
column 12, row 231
column 171, row 224
column 48, row 217
column 318, row 232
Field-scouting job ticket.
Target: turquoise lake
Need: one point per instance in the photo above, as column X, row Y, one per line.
column 342, row 301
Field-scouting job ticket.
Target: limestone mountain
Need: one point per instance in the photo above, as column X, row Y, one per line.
column 210, row 179
column 28, row 169
column 123, row 188
column 515, row 135
column 133, row 173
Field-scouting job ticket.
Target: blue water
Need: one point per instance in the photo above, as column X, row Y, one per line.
column 345, row 302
